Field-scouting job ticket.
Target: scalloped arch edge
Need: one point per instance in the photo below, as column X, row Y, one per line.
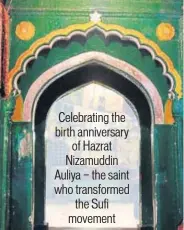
column 107, row 30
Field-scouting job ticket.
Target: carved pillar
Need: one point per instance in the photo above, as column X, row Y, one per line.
column 4, row 51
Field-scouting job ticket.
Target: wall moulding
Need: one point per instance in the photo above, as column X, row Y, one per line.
column 133, row 6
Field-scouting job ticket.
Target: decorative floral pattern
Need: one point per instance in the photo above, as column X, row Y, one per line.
column 165, row 32
column 25, row 30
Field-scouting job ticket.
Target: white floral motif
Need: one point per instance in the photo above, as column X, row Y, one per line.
column 95, row 17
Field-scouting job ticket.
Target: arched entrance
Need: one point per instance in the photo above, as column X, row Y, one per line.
column 122, row 172
column 75, row 47
column 114, row 80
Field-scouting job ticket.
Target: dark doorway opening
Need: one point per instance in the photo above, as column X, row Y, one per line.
column 72, row 80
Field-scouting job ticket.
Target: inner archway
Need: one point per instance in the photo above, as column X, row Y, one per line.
column 121, row 84
column 98, row 100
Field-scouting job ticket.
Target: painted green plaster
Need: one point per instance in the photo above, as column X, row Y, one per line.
column 21, row 178
column 166, row 175
column 144, row 16
column 152, row 6
column 178, row 114
column 46, row 22
column 6, row 109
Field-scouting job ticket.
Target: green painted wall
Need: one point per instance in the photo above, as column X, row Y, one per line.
column 166, row 173
column 46, row 21
column 21, row 177
column 46, row 15
column 153, row 6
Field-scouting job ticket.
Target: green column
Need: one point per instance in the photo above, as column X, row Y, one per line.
column 166, row 181
column 6, row 109
column 178, row 115
column 21, row 177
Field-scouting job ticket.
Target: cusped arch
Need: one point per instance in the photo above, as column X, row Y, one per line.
column 117, row 65
column 107, row 30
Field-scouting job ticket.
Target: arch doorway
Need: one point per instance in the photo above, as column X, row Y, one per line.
column 118, row 82
column 59, row 207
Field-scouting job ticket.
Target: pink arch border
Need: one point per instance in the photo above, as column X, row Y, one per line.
column 141, row 81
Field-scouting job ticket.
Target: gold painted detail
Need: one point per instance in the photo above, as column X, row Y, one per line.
column 168, row 114
column 25, row 30
column 165, row 32
column 46, row 41
column 18, row 111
